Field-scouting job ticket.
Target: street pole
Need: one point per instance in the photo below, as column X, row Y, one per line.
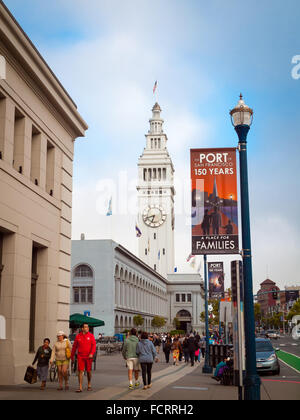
column 242, row 119
column 206, row 367
column 252, row 380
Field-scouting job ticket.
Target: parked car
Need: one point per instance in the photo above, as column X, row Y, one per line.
column 272, row 334
column 266, row 357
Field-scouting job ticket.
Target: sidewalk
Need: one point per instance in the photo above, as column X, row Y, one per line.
column 175, row 383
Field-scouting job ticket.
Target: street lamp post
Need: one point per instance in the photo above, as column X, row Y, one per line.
column 206, row 368
column 241, row 117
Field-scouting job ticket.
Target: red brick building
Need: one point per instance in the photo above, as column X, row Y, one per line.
column 266, row 300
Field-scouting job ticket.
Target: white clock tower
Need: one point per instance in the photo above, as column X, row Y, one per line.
column 156, row 199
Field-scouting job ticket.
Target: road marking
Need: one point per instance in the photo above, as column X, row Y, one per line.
column 190, row 388
column 278, row 380
column 281, row 361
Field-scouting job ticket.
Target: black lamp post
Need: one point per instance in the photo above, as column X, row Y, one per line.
column 241, row 117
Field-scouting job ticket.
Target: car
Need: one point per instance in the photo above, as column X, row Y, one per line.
column 272, row 334
column 266, row 357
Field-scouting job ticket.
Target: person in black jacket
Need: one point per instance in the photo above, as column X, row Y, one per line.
column 167, row 348
column 186, row 350
column 191, row 345
column 43, row 356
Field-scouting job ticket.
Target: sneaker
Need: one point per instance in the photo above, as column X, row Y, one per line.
column 131, row 386
column 145, row 387
column 149, row 386
column 137, row 384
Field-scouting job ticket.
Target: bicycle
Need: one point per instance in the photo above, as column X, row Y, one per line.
column 53, row 373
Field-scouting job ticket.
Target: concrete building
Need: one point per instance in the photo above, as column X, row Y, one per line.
column 186, row 301
column 112, row 284
column 38, row 125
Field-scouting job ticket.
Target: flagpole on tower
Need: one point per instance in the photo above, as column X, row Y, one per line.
column 155, row 90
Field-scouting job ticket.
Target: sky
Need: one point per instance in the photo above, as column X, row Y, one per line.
column 108, row 54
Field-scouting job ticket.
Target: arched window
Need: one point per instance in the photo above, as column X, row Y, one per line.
column 83, row 271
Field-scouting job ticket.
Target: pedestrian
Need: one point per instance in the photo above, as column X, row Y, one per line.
column 132, row 360
column 181, row 340
column 203, row 345
column 61, row 353
column 191, row 344
column 185, row 350
column 167, row 347
column 85, row 346
column 157, row 343
column 176, row 348
column 42, row 358
column 147, row 354
column 198, row 352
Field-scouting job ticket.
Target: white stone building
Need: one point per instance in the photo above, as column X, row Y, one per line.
column 156, row 193
column 112, row 284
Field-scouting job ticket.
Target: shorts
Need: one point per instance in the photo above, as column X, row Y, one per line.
column 84, row 363
column 62, row 362
column 133, row 364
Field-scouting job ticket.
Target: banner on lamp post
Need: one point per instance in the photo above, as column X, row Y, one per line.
column 216, row 280
column 214, row 201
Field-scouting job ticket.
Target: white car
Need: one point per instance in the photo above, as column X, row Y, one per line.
column 272, row 334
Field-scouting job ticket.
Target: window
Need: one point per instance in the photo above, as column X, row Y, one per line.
column 50, row 168
column 182, row 298
column 83, row 294
column 34, row 279
column 189, row 297
column 177, row 298
column 146, row 251
column 35, row 156
column 83, row 271
column 154, row 235
column 76, row 294
column 155, row 267
column 164, row 251
column 19, row 138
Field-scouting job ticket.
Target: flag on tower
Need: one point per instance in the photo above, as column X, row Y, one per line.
column 109, row 211
column 155, row 86
column 138, row 232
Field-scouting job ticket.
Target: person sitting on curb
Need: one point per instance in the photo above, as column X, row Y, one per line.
column 221, row 368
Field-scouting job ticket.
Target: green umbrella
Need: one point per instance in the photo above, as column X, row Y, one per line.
column 77, row 319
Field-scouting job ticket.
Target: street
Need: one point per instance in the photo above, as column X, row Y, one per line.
column 181, row 382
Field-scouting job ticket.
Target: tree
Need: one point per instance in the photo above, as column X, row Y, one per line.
column 176, row 323
column 158, row 322
column 138, row 320
column 257, row 312
column 294, row 311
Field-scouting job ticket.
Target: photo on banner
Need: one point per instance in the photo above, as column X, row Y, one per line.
column 214, row 201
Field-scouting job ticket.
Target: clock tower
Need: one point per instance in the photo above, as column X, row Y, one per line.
column 156, row 199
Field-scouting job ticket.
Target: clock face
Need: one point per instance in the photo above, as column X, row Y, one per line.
column 154, row 216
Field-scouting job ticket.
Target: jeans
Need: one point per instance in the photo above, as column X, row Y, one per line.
column 167, row 355
column 146, row 372
column 186, row 356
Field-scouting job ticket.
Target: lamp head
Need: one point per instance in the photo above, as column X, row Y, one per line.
column 242, row 114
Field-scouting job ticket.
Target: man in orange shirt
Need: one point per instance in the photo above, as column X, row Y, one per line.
column 85, row 345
